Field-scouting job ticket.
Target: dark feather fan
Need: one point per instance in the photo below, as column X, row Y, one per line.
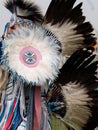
column 24, row 9
column 78, row 82
column 67, row 22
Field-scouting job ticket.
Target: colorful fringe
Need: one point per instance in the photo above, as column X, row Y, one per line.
column 11, row 115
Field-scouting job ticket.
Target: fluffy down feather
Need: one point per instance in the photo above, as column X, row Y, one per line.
column 41, row 39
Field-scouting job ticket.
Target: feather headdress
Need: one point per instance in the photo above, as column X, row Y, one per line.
column 24, row 9
column 33, row 55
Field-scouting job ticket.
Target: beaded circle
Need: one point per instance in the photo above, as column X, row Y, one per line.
column 30, row 57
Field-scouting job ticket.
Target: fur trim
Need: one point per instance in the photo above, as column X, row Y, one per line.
column 46, row 44
column 67, row 22
column 24, row 9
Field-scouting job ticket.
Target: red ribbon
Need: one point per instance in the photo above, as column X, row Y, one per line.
column 7, row 125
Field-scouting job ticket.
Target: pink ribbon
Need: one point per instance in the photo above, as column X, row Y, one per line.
column 37, row 115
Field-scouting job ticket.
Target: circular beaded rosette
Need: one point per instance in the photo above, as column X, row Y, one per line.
column 32, row 54
column 30, row 57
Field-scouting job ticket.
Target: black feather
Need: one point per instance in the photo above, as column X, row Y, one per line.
column 33, row 12
column 77, row 65
column 80, row 68
column 61, row 11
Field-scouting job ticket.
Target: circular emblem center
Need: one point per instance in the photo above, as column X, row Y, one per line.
column 30, row 57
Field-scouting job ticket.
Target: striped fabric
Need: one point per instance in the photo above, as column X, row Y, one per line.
column 14, row 107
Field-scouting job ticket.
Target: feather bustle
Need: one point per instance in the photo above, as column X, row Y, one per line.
column 68, row 23
column 79, row 82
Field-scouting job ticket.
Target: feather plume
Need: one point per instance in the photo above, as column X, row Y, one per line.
column 46, row 45
column 67, row 22
column 79, row 82
column 24, row 9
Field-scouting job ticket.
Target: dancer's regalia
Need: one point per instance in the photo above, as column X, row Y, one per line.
column 48, row 72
